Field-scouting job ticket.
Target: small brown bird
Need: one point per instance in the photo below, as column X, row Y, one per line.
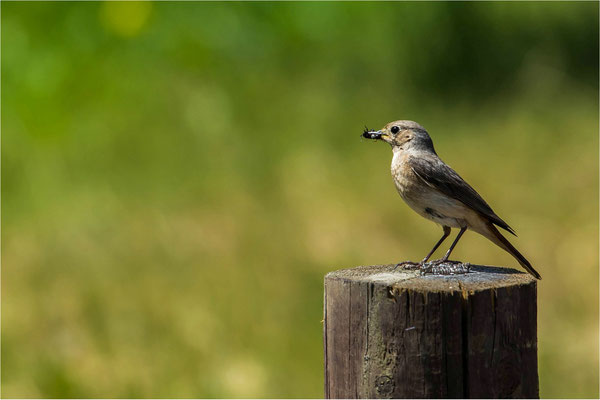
column 435, row 191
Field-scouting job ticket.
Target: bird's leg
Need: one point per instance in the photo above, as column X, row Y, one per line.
column 445, row 258
column 446, row 234
column 444, row 266
column 413, row 265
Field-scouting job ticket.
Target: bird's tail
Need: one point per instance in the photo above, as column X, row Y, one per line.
column 496, row 237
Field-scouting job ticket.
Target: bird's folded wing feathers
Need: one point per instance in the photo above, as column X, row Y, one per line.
column 435, row 173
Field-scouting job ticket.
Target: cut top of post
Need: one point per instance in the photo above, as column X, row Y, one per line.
column 479, row 278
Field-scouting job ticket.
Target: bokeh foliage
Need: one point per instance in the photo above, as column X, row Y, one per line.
column 178, row 177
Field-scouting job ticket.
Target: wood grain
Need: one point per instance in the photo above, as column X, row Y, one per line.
column 398, row 334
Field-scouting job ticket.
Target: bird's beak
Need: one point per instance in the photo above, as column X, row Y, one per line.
column 374, row 135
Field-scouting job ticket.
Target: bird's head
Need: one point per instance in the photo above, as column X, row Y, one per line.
column 402, row 135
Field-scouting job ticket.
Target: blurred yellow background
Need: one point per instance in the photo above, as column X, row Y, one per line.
column 178, row 177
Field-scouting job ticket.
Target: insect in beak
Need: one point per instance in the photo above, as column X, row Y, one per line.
column 371, row 134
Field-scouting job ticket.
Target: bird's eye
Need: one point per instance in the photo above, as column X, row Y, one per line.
column 395, row 129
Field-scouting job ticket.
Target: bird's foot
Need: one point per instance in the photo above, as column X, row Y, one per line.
column 408, row 265
column 445, row 267
column 442, row 261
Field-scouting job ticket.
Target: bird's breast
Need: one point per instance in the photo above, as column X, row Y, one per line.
column 403, row 175
column 425, row 200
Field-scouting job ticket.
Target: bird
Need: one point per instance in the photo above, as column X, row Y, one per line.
column 436, row 192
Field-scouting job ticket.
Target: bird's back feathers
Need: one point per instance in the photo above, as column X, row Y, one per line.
column 435, row 173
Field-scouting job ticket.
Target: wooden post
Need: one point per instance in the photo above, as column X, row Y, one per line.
column 402, row 335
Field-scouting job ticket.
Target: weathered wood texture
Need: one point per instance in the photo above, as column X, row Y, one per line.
column 401, row 335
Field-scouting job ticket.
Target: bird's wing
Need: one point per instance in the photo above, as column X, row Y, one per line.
column 435, row 173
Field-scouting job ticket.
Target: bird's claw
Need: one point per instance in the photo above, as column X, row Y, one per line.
column 408, row 265
column 445, row 267
column 442, row 261
column 436, row 267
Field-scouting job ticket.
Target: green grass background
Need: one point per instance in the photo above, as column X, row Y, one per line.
column 178, row 177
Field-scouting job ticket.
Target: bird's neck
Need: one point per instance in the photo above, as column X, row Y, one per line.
column 408, row 149
column 400, row 157
column 403, row 151
column 397, row 149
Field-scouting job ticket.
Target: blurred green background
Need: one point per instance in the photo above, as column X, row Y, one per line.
column 178, row 177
